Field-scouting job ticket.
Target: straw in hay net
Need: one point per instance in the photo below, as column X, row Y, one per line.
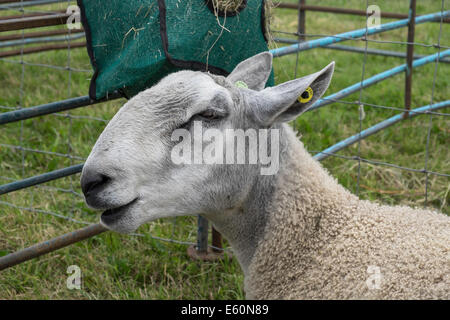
column 227, row 6
column 233, row 6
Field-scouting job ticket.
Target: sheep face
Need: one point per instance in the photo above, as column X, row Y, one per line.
column 166, row 153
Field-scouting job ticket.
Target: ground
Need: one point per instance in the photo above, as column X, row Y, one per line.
column 118, row 267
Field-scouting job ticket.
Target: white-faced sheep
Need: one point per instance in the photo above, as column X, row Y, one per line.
column 296, row 233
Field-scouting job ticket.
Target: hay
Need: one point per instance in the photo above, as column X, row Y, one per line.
column 231, row 7
column 227, row 6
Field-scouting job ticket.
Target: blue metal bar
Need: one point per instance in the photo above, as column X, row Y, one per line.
column 376, row 78
column 48, row 108
column 322, row 42
column 49, row 176
column 379, row 126
column 386, row 53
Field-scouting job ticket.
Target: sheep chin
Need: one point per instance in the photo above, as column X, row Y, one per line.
column 120, row 219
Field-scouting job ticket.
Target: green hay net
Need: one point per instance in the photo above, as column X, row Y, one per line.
column 134, row 43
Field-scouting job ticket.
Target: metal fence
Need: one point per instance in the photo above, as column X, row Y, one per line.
column 23, row 17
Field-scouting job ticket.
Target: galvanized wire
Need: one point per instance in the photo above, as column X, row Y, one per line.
column 57, row 154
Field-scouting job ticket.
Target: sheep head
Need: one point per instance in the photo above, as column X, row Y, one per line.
column 166, row 153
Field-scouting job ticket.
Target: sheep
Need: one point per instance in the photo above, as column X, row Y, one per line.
column 295, row 231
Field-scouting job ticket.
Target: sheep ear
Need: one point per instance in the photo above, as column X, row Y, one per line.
column 254, row 71
column 288, row 100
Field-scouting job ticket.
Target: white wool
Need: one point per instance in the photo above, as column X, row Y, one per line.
column 320, row 241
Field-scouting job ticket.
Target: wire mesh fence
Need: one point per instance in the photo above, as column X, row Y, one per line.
column 59, row 135
column 362, row 43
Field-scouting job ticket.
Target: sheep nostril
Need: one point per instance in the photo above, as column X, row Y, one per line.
column 93, row 181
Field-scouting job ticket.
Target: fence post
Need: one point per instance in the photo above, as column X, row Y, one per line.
column 202, row 235
column 409, row 56
column 202, row 251
column 301, row 30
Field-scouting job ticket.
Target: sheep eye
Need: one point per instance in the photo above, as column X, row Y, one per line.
column 209, row 115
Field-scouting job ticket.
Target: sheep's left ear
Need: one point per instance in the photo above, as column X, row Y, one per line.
column 288, row 100
column 254, row 71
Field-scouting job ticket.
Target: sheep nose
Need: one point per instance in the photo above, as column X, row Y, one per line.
column 93, row 182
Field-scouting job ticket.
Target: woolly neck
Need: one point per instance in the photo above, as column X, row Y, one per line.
column 287, row 198
column 299, row 234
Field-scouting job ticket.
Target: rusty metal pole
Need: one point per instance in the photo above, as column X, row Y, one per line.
column 202, row 251
column 16, row 52
column 51, row 245
column 33, row 22
column 18, row 36
column 216, row 240
column 383, row 14
column 409, row 57
column 301, row 20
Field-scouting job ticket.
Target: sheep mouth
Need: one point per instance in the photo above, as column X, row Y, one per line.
column 114, row 213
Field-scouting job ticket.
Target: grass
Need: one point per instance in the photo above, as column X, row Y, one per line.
column 131, row 267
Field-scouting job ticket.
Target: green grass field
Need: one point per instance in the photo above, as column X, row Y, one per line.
column 138, row 267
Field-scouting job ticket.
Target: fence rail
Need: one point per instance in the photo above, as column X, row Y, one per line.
column 39, row 249
column 305, row 7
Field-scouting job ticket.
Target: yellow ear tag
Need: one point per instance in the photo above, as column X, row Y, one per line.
column 241, row 84
column 306, row 95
